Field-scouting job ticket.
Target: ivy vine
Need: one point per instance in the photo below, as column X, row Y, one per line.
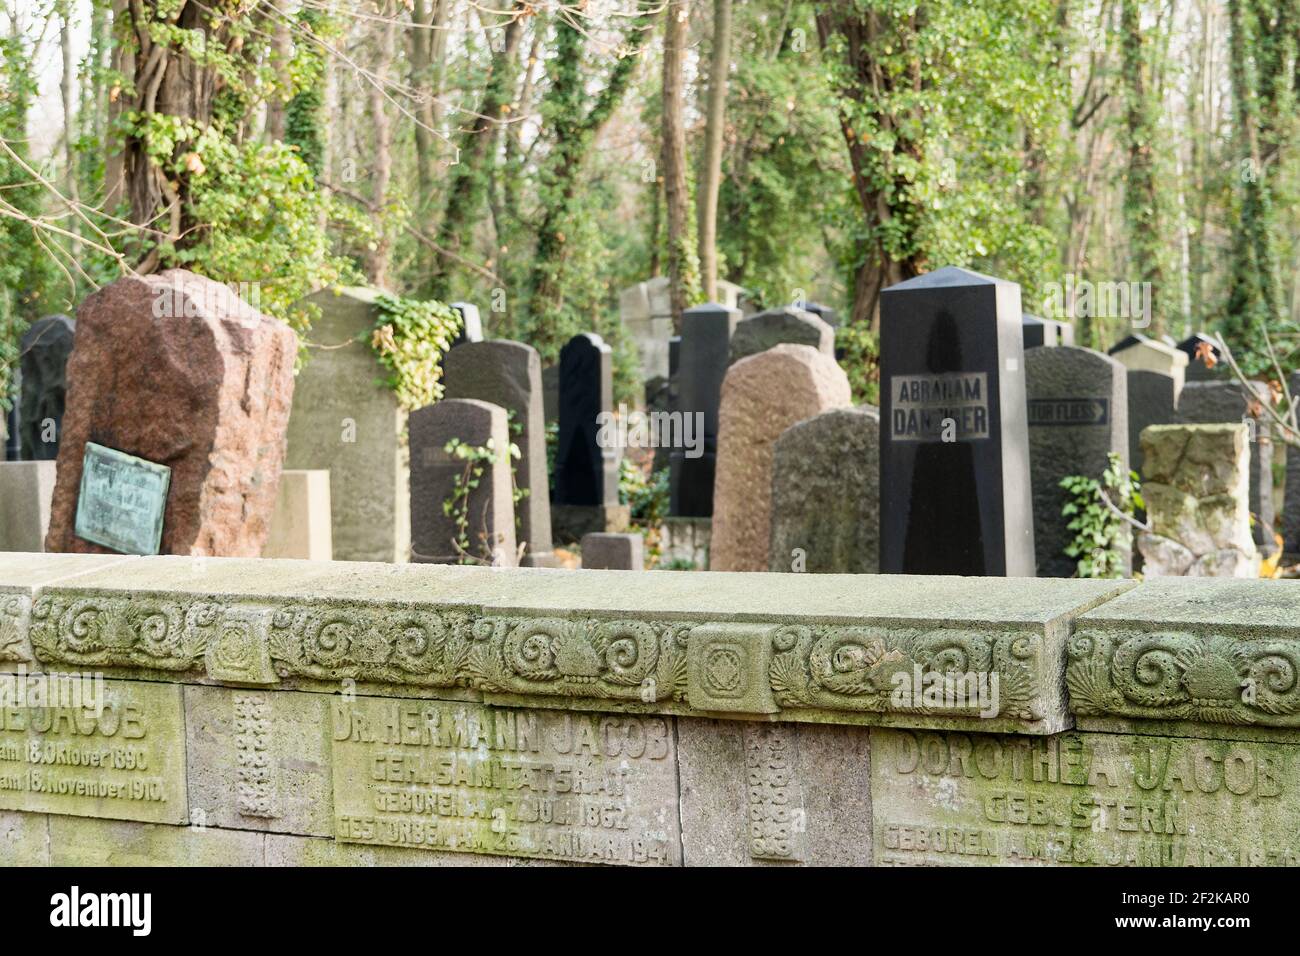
column 477, row 458
column 410, row 338
column 1101, row 516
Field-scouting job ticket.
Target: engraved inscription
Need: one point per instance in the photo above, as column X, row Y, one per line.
column 950, row 407
column 122, row 500
column 123, row 758
column 1085, row 799
column 257, row 796
column 775, row 799
column 549, row 784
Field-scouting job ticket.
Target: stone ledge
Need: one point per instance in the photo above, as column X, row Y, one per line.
column 743, row 645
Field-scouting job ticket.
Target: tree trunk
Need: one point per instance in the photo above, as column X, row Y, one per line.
column 1141, row 201
column 380, row 257
column 711, row 166
column 674, row 158
column 281, row 57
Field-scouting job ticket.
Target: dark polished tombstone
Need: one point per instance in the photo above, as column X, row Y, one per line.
column 1152, row 400
column 45, row 348
column 954, row 446
column 1078, row 415
column 1197, row 371
column 585, row 474
column 509, row 374
column 705, row 353
column 1037, row 332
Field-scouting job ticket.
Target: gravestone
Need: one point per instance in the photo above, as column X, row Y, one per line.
column 1197, row 370
column 762, row 396
column 646, row 313
column 1064, row 331
column 613, row 552
column 1219, row 402
column 1152, row 400
column 823, row 312
column 826, row 494
column 1195, row 482
column 758, row 333
column 348, row 422
column 471, row 324
column 954, row 459
column 1138, row 352
column 45, row 348
column 509, row 374
column 705, row 348
column 26, row 490
column 1291, row 498
column 10, row 448
column 1037, row 332
column 1078, row 415
column 300, row 524
column 481, row 527
column 585, row 498
column 176, row 370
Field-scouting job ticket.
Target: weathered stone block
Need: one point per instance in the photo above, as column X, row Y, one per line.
column 285, row 850
column 26, row 490
column 438, row 775
column 953, row 799
column 615, row 552
column 259, row 760
column 88, row 842
column 24, row 839
column 756, row 793
column 300, row 524
column 124, row 759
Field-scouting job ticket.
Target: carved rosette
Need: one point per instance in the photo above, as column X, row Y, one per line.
column 860, row 669
column 1174, row 675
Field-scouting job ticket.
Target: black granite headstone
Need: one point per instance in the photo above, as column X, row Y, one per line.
column 1037, row 332
column 954, row 445
column 1152, row 400
column 1078, row 415
column 45, row 348
column 705, row 352
column 585, row 474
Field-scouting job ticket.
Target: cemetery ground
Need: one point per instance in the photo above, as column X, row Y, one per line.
column 437, row 436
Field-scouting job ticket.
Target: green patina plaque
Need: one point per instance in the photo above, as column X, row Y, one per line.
column 556, row 785
column 122, row 501
column 73, row 744
column 1082, row 799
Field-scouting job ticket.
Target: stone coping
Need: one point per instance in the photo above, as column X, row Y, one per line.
column 823, row 649
column 1205, row 656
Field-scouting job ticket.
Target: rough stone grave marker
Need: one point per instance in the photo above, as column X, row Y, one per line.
column 1195, row 482
column 45, row 348
column 348, row 422
column 760, row 332
column 954, row 459
column 826, row 494
column 1078, row 415
column 706, row 344
column 509, row 374
column 176, row 370
column 585, row 479
column 762, row 396
column 487, row 509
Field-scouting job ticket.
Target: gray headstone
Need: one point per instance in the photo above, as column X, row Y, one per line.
column 509, row 374
column 45, row 348
column 1078, row 414
column 436, row 476
column 1291, row 499
column 705, row 355
column 471, row 328
column 954, row 448
column 614, row 552
column 1037, row 332
column 585, row 473
column 1152, row 400
column 551, row 394
column 1213, row 403
column 758, row 333
column 826, row 493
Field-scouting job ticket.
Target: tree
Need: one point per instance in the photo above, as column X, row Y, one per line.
column 711, row 162
column 683, row 267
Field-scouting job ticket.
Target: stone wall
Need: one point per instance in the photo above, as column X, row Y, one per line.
column 296, row 712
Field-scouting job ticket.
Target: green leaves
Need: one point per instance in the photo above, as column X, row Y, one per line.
column 410, row 339
column 1101, row 536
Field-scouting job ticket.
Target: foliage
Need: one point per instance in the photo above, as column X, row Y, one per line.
column 410, row 339
column 645, row 492
column 859, row 350
column 1101, row 537
column 477, row 459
